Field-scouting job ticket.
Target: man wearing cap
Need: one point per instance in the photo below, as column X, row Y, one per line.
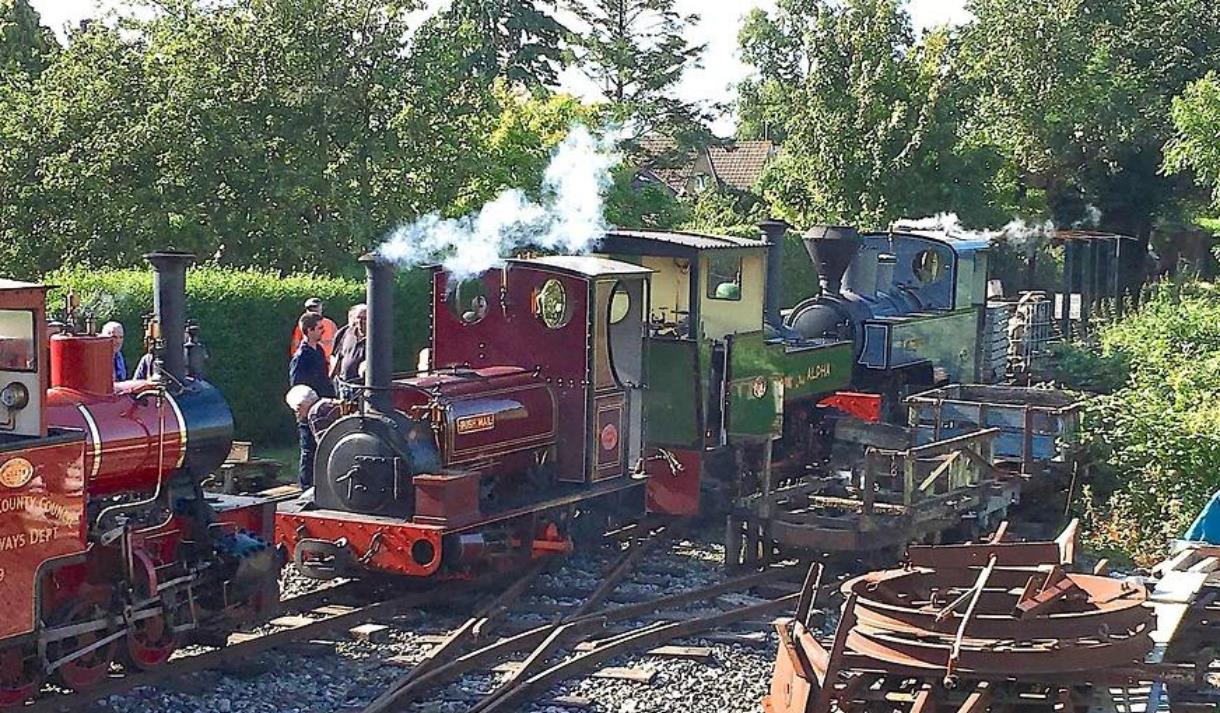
column 316, row 305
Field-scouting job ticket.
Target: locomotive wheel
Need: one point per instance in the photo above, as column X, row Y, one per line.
column 148, row 644
column 20, row 676
column 87, row 670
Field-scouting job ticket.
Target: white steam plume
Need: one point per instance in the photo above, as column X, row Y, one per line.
column 567, row 218
column 1091, row 219
column 1017, row 231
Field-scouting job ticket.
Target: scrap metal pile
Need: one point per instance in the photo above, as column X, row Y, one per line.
column 996, row 626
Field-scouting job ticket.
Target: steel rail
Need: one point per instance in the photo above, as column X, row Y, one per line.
column 587, row 624
column 586, row 661
column 193, row 664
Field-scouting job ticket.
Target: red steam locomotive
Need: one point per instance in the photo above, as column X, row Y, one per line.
column 530, row 409
column 109, row 548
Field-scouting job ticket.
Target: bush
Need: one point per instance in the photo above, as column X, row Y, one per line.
column 246, row 320
column 1159, row 434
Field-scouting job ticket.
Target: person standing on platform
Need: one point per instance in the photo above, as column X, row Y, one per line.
column 308, row 367
column 115, row 331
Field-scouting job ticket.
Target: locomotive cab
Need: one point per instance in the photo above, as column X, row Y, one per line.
column 531, row 405
column 42, row 488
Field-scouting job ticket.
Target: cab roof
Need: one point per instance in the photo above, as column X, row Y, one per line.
column 18, row 285
column 656, row 242
column 586, row 265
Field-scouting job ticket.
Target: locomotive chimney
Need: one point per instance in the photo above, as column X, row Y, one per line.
column 379, row 342
column 169, row 307
column 832, row 247
column 774, row 232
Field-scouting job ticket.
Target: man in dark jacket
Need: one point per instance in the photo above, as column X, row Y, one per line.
column 308, row 367
column 350, row 351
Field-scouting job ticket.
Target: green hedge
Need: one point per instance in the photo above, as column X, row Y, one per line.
column 246, row 320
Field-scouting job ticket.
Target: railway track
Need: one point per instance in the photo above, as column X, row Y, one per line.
column 503, row 636
column 580, row 638
column 303, row 618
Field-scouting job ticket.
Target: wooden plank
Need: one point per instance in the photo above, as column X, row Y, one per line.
column 697, row 653
column 239, row 637
column 333, row 610
column 1180, row 561
column 1178, row 587
column 620, row 673
column 1205, row 565
column 291, row 621
column 753, row 638
column 372, row 633
column 280, row 491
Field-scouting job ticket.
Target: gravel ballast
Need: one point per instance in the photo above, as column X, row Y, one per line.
column 341, row 674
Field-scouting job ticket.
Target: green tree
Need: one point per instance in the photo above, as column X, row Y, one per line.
column 868, row 118
column 520, row 40
column 1077, row 95
column 285, row 134
column 635, row 52
column 1195, row 145
column 26, row 45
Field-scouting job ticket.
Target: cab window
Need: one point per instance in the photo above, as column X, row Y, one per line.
column 468, row 301
column 724, row 277
column 17, row 349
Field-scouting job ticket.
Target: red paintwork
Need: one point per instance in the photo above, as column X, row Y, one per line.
column 40, row 521
column 674, row 493
column 866, row 407
column 83, row 363
column 517, row 411
column 514, row 335
column 396, row 538
column 448, row 499
column 124, row 444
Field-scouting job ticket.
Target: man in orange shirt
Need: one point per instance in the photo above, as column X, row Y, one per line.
column 314, row 304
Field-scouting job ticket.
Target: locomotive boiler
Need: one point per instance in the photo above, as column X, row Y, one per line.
column 109, row 548
column 529, row 410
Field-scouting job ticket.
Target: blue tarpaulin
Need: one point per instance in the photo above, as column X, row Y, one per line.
column 1206, row 527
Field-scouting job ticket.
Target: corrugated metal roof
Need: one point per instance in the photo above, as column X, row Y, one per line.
column 588, row 265
column 1089, row 235
column 697, row 241
column 17, row 285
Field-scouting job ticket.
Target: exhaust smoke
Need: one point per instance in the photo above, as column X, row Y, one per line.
column 568, row 217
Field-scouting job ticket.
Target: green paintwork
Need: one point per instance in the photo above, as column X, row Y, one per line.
column 671, row 403
column 764, row 376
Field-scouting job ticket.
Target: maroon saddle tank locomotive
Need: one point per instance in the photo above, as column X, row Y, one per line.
column 529, row 410
column 109, row 548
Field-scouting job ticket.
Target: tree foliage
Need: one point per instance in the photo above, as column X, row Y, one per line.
column 635, row 52
column 1196, row 142
column 286, row 134
column 867, row 117
column 1077, row 95
column 520, row 42
column 1159, row 434
column 26, row 45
